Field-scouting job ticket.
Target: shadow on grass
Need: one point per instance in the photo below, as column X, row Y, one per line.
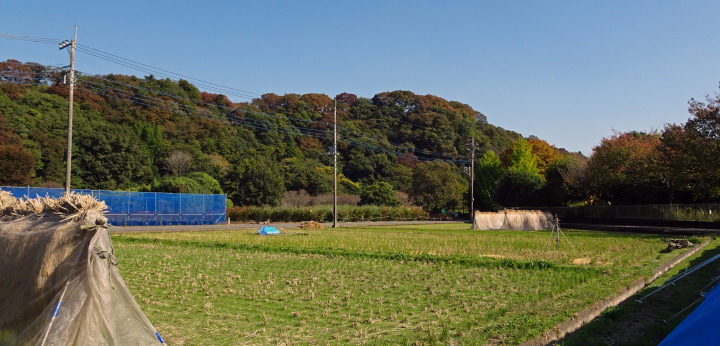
column 649, row 322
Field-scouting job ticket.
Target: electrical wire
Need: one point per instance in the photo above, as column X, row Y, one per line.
column 246, row 122
column 401, row 150
column 358, row 140
column 185, row 99
column 264, row 125
column 208, row 85
column 226, row 90
column 420, row 151
column 162, row 72
column 30, row 38
column 155, row 102
column 136, row 65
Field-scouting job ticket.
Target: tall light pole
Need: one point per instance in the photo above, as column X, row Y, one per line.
column 335, row 164
column 68, row 162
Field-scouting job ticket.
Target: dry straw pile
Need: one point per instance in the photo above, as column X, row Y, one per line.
column 72, row 207
column 59, row 250
column 311, row 224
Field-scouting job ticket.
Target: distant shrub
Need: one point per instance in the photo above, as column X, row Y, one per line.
column 379, row 193
column 196, row 182
column 302, row 198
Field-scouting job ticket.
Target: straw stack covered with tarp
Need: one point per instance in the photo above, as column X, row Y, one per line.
column 520, row 220
column 60, row 284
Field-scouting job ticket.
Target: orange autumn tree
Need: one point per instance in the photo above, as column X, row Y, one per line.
column 625, row 168
column 546, row 154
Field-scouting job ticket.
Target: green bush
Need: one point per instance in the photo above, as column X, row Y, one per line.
column 379, row 193
column 196, row 182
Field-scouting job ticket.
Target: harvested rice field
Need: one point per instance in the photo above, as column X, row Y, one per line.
column 401, row 285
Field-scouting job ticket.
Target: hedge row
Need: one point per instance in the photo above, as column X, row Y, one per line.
column 325, row 213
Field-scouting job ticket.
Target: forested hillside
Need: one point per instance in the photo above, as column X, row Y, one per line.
column 153, row 134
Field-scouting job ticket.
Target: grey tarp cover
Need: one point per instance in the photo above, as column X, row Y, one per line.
column 45, row 260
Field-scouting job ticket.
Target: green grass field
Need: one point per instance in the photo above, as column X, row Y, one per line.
column 407, row 284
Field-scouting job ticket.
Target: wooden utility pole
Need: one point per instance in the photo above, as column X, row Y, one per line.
column 68, row 162
column 472, row 181
column 335, row 164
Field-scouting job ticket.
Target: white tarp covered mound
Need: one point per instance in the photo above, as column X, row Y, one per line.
column 60, row 284
column 520, row 220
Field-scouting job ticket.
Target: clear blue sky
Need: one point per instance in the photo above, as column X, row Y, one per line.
column 569, row 72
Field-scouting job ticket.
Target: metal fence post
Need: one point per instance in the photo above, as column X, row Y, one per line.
column 157, row 217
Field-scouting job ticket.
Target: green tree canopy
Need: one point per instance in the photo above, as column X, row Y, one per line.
column 379, row 193
column 255, row 180
column 519, row 157
column 488, row 176
column 110, row 156
column 196, row 182
column 437, row 186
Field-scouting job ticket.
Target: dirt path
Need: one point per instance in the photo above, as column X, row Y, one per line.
column 180, row 228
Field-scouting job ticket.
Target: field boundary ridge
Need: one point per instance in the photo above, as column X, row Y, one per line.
column 581, row 318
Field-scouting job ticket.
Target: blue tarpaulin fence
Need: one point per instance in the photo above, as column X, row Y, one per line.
column 127, row 208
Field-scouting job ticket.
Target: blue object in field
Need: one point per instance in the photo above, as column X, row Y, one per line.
column 268, row 230
column 701, row 326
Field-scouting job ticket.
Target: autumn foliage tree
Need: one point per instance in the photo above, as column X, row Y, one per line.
column 691, row 152
column 624, row 168
column 545, row 153
column 16, row 165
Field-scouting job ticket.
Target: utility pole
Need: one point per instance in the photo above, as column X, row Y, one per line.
column 335, row 164
column 68, row 162
column 472, row 181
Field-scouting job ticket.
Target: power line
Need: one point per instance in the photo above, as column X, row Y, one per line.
column 155, row 102
column 162, row 72
column 423, row 153
column 159, row 71
column 137, row 65
column 408, row 150
column 359, row 141
column 265, row 125
column 234, row 120
column 249, row 122
column 225, row 90
column 31, row 38
column 209, row 85
column 180, row 98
